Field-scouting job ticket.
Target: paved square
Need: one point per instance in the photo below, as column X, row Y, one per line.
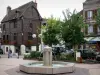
column 11, row 67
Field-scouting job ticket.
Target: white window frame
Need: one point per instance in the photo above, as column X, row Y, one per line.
column 89, row 14
column 90, row 29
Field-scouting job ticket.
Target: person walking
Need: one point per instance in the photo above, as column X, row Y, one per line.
column 17, row 53
column 9, row 53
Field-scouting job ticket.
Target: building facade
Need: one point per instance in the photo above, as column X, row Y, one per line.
column 90, row 8
column 19, row 25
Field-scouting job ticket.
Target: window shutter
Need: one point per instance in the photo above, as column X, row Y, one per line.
column 95, row 29
column 94, row 13
column 85, row 14
column 86, row 30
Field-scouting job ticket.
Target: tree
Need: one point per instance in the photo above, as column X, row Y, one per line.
column 71, row 28
column 98, row 17
column 51, row 31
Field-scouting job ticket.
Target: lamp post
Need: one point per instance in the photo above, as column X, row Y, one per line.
column 40, row 35
column 22, row 37
column 34, row 36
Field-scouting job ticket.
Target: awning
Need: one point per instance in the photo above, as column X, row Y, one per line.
column 92, row 39
column 96, row 39
column 88, row 38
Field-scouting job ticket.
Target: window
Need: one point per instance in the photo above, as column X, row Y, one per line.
column 15, row 24
column 4, row 27
column 29, row 36
column 30, row 25
column 44, row 24
column 3, row 37
column 90, row 29
column 15, row 36
column 7, row 37
column 89, row 14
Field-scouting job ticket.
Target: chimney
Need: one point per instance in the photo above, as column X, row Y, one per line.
column 8, row 10
column 35, row 4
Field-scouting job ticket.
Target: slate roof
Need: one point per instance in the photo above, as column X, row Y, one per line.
column 87, row 2
column 21, row 9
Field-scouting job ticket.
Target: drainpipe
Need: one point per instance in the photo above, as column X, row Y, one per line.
column 22, row 29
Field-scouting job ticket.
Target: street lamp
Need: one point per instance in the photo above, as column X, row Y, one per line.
column 34, row 35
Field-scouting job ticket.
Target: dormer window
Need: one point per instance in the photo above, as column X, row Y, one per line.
column 17, row 13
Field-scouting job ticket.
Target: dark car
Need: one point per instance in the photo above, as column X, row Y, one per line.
column 85, row 54
column 1, row 51
column 98, row 57
column 57, row 50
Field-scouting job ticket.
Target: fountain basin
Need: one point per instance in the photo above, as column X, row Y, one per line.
column 56, row 68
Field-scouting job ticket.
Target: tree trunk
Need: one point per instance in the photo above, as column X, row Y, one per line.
column 75, row 47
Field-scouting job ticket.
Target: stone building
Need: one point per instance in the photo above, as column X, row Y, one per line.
column 92, row 32
column 18, row 26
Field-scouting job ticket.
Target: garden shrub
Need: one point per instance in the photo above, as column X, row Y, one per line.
column 33, row 55
column 67, row 57
column 27, row 57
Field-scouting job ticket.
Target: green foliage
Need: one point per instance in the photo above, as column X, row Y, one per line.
column 71, row 28
column 27, row 57
column 51, row 31
column 33, row 55
column 67, row 57
column 98, row 17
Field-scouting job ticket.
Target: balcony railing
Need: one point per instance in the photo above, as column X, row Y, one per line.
column 8, row 42
column 93, row 34
column 90, row 19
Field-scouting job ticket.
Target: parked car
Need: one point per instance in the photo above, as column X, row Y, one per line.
column 85, row 54
column 57, row 50
column 98, row 56
column 1, row 51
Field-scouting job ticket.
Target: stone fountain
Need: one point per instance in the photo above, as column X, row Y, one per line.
column 47, row 66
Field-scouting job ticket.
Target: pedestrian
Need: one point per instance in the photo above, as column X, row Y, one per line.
column 17, row 53
column 9, row 53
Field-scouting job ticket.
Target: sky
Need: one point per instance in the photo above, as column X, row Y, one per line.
column 45, row 7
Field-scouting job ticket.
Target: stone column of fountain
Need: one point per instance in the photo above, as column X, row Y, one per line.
column 47, row 56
